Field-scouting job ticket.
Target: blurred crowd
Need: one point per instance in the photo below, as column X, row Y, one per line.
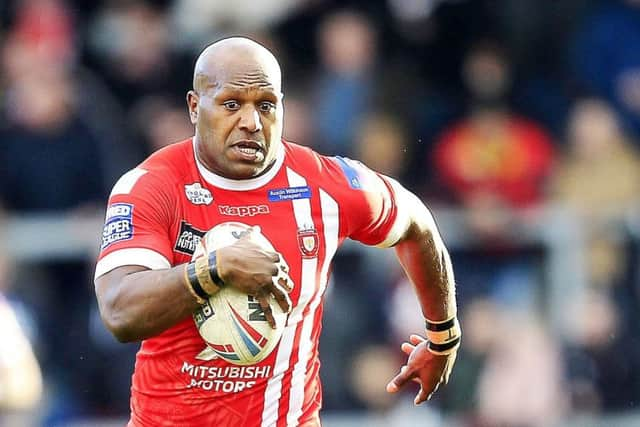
column 498, row 113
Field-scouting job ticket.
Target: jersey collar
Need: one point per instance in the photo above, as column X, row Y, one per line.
column 239, row 184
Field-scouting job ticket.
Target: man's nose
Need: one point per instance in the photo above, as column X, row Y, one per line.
column 250, row 120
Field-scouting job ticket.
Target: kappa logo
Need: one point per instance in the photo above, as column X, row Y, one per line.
column 250, row 210
column 308, row 242
column 198, row 195
column 188, row 238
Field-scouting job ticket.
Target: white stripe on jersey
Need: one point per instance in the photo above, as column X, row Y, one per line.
column 274, row 386
column 304, row 219
column 403, row 219
column 127, row 181
column 131, row 256
column 273, row 393
column 330, row 220
column 302, row 213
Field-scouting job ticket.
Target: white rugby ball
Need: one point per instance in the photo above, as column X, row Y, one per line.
column 231, row 322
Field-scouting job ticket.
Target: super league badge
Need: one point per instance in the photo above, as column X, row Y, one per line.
column 308, row 242
column 198, row 195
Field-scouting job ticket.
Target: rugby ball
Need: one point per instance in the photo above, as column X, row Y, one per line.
column 231, row 322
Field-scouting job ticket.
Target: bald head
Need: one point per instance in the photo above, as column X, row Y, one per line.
column 237, row 62
column 236, row 107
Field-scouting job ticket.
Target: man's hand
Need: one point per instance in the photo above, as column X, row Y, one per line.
column 256, row 271
column 427, row 369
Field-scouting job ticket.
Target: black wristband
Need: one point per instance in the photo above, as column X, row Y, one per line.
column 439, row 327
column 441, row 348
column 213, row 270
column 193, row 280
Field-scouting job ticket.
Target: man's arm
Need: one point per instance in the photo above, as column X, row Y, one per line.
column 425, row 259
column 137, row 303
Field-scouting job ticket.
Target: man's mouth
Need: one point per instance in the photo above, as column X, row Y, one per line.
column 249, row 150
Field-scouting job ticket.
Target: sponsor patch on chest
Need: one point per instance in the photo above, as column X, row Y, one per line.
column 118, row 224
column 290, row 193
column 188, row 238
column 197, row 194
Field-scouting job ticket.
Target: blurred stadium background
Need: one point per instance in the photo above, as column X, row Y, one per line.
column 517, row 121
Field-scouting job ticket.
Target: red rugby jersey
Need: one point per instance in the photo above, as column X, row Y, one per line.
column 306, row 205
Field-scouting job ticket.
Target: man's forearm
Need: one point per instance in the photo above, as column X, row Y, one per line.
column 426, row 261
column 136, row 303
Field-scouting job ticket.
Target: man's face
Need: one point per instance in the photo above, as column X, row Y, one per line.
column 238, row 119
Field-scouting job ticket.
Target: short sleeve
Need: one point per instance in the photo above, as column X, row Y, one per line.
column 137, row 224
column 370, row 205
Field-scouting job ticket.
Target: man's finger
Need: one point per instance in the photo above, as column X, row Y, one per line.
column 422, row 396
column 283, row 264
column 399, row 380
column 266, row 308
column 287, row 284
column 281, row 295
column 407, row 348
column 416, row 339
column 284, row 280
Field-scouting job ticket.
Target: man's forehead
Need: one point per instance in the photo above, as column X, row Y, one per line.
column 252, row 80
column 246, row 69
column 249, row 77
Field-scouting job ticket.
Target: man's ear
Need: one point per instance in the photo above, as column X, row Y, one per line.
column 192, row 104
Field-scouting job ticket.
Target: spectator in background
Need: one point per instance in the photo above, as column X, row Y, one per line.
column 298, row 119
column 197, row 22
column 599, row 174
column 522, row 382
column 598, row 178
column 130, row 44
column 59, row 149
column 20, row 376
column 606, row 59
column 492, row 157
column 47, row 145
column 493, row 163
column 601, row 356
column 345, row 88
column 160, row 120
column 382, row 143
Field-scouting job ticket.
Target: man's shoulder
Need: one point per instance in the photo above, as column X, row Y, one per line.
column 173, row 157
column 330, row 172
column 160, row 171
column 307, row 159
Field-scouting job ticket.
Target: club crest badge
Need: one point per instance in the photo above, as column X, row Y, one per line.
column 308, row 241
column 198, row 195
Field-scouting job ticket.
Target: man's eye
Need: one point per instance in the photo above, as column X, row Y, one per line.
column 231, row 105
column 267, row 107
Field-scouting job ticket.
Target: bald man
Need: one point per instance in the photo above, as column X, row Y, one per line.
column 237, row 162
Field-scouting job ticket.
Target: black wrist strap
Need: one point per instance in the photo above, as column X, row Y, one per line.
column 439, row 327
column 193, row 280
column 213, row 270
column 441, row 348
